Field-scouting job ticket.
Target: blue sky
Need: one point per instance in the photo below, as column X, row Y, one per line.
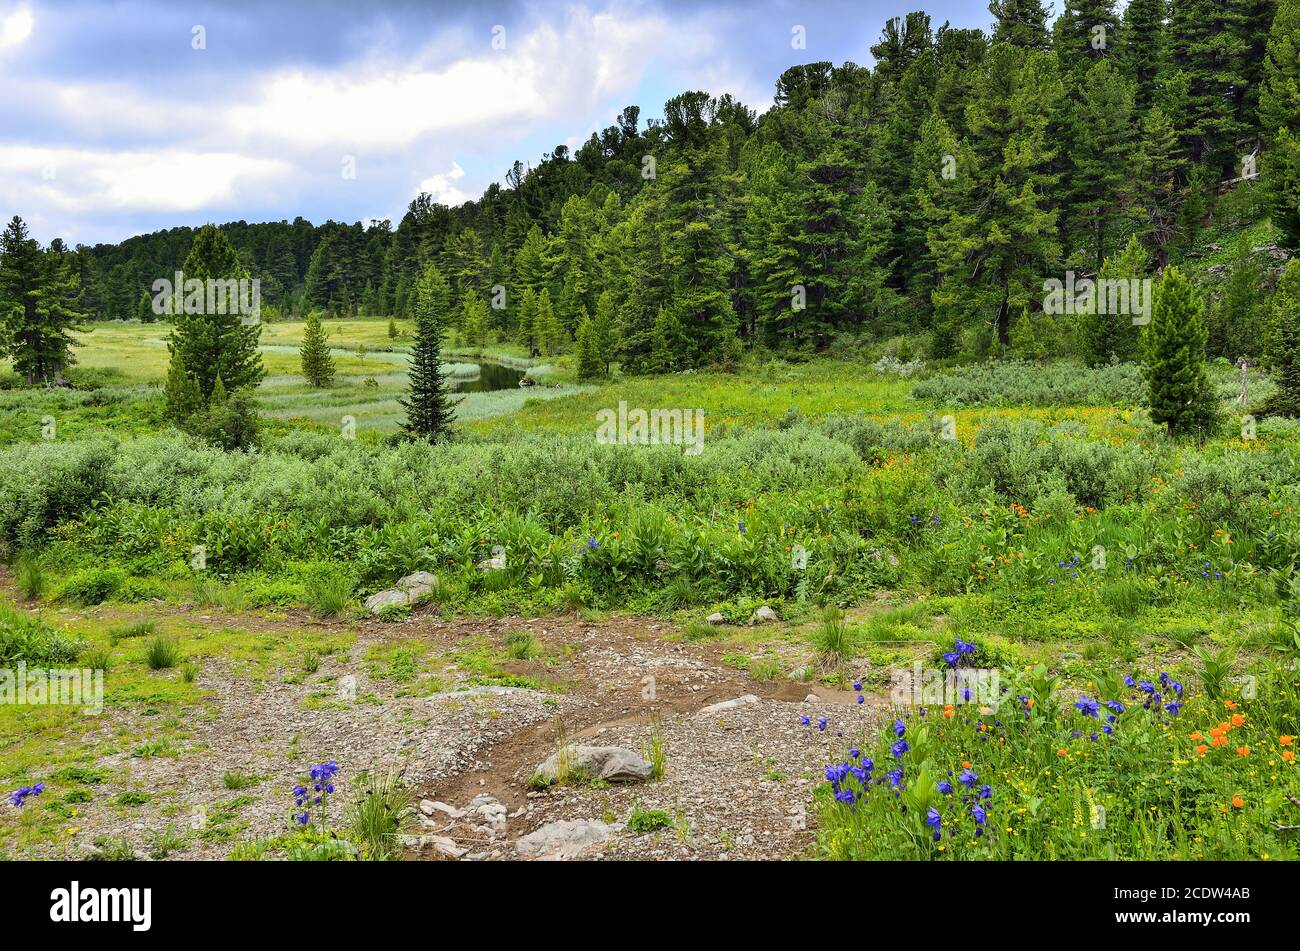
column 113, row 123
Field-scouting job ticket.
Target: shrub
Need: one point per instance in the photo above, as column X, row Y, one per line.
column 1013, row 383
column 24, row 638
column 93, row 585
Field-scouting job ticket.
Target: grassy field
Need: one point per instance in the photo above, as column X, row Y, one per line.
column 1067, row 542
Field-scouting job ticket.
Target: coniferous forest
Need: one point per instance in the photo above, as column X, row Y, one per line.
column 908, row 469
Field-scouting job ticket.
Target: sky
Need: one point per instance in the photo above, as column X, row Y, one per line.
column 121, row 118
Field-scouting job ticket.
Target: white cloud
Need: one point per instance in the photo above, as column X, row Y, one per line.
column 15, row 28
column 77, row 181
column 442, row 189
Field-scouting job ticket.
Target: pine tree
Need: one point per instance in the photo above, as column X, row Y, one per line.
column 1284, row 343
column 1238, row 327
column 589, row 357
column 1279, row 114
column 430, row 410
column 38, row 305
column 474, row 319
column 1206, row 43
column 1103, row 143
column 392, row 329
column 548, row 335
column 602, row 332
column 181, row 393
column 993, row 252
column 1179, row 391
column 693, row 194
column 1104, row 336
column 1020, row 23
column 1160, row 169
column 528, row 320
column 215, row 341
column 317, row 364
column 1142, row 47
column 1086, row 32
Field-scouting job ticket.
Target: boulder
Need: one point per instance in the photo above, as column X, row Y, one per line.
column 566, row 839
column 764, row 615
column 613, row 764
column 406, row 592
column 716, row 618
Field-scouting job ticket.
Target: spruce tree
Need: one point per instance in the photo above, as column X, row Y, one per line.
column 38, row 305
column 1178, row 386
column 430, row 410
column 1086, row 32
column 317, row 364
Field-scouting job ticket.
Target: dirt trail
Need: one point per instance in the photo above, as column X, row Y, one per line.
column 736, row 784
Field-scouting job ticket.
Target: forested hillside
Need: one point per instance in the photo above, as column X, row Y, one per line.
column 931, row 194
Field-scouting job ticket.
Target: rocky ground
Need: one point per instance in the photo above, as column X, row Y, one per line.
column 737, row 781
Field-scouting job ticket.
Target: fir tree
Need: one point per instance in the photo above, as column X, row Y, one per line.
column 317, row 364
column 430, row 410
column 1179, row 391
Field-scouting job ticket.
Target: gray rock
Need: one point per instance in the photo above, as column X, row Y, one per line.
column 429, row 807
column 489, row 690
column 566, row 839
column 406, row 592
column 716, row 618
column 495, row 563
column 764, row 615
column 726, row 705
column 613, row 764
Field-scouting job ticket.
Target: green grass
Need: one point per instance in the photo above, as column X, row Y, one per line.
column 162, row 653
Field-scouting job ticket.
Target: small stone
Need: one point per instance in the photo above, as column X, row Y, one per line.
column 726, row 705
column 716, row 618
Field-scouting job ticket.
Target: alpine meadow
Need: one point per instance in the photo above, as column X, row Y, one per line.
column 901, row 466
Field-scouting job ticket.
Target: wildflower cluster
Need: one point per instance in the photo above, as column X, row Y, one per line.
column 321, row 781
column 23, row 793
